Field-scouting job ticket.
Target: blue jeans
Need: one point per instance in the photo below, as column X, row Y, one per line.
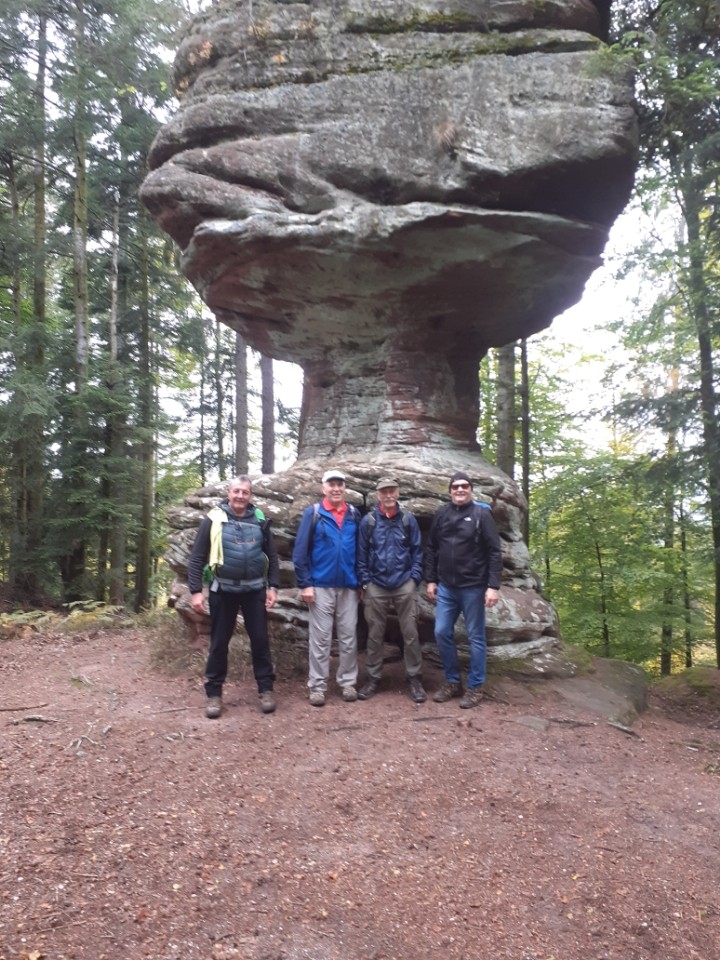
column 450, row 604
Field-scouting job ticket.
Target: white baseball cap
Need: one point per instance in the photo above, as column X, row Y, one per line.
column 333, row 475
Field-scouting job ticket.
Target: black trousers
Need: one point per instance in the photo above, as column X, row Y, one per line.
column 224, row 608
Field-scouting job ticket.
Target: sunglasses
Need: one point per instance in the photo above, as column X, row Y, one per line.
column 460, row 486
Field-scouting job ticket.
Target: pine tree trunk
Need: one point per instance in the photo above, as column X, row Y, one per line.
column 29, row 474
column 602, row 589
column 486, row 413
column 203, row 429
column 219, row 402
column 525, row 436
column 699, row 305
column 242, row 459
column 80, row 216
column 603, row 602
column 268, row 415
column 688, row 634
column 669, row 593
column 143, row 559
column 73, row 561
column 666, row 632
column 115, row 433
column 505, row 410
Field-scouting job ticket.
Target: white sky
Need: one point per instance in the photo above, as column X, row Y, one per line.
column 578, row 330
column 605, row 297
column 582, row 330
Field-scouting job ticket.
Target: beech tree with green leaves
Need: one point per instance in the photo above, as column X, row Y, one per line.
column 676, row 48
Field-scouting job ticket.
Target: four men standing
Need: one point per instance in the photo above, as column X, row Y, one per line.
column 335, row 554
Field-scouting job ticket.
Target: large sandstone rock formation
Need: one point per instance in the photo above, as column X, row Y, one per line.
column 380, row 193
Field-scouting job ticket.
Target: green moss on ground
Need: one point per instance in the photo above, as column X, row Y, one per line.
column 701, row 681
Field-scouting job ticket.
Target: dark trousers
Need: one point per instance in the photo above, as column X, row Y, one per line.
column 224, row 608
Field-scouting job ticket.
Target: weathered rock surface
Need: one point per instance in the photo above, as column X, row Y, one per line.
column 380, row 193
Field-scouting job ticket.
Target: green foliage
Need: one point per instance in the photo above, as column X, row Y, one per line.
column 596, row 532
column 111, row 76
column 79, row 617
column 613, row 62
column 10, row 623
column 618, row 524
column 84, row 615
column 676, row 48
column 696, row 681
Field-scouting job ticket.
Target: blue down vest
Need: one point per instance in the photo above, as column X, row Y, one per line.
column 244, row 565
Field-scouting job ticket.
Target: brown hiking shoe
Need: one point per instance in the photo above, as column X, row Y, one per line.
column 267, row 701
column 447, row 691
column 473, row 696
column 368, row 689
column 417, row 692
column 213, row 708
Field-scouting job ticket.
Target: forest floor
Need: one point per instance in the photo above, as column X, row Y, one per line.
column 528, row 828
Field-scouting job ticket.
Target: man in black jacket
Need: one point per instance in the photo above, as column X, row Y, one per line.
column 236, row 545
column 463, row 568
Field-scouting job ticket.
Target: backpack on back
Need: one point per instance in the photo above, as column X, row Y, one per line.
column 372, row 521
column 353, row 511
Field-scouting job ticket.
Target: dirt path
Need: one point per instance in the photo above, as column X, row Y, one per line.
column 132, row 827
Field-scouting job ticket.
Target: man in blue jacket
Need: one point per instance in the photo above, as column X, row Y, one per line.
column 463, row 567
column 324, row 557
column 389, row 571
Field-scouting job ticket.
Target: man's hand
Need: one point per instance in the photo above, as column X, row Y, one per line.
column 270, row 597
column 431, row 592
column 491, row 597
column 308, row 594
column 198, row 602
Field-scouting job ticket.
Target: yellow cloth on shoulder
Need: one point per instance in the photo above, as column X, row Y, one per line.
column 217, row 518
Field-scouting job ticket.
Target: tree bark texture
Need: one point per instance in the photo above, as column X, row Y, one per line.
column 505, row 411
column 29, row 474
column 267, row 399
column 242, row 459
column 143, row 559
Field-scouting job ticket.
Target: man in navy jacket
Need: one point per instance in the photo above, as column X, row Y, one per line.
column 324, row 557
column 389, row 571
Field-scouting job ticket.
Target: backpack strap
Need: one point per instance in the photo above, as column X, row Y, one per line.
column 478, row 507
column 353, row 511
column 404, row 515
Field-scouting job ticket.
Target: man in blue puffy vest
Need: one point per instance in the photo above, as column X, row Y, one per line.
column 235, row 545
column 463, row 568
column 324, row 557
column 389, row 570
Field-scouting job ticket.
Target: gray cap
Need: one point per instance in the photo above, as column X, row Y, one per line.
column 386, row 482
column 333, row 475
